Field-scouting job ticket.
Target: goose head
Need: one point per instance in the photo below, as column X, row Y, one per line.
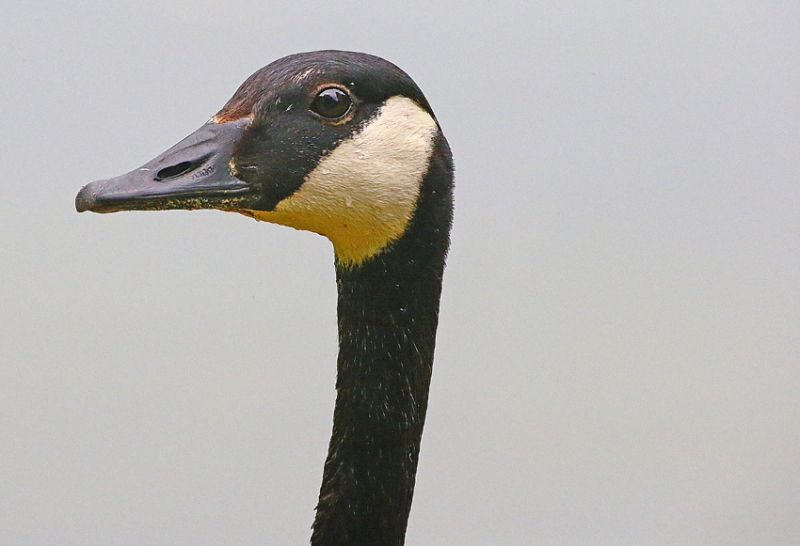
column 333, row 142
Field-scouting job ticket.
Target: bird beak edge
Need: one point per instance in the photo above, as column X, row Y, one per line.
column 194, row 174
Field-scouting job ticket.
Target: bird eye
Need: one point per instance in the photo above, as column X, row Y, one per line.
column 331, row 103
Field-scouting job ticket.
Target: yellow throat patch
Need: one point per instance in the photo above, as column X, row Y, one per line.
column 362, row 195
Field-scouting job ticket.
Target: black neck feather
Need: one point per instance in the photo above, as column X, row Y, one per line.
column 388, row 313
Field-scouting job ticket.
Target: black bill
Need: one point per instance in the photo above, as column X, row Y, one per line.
column 193, row 174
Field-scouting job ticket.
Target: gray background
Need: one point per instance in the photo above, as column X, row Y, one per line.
column 619, row 352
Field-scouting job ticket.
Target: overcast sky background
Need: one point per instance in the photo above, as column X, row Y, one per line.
column 619, row 351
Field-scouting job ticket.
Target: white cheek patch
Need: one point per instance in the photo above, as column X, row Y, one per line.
column 362, row 195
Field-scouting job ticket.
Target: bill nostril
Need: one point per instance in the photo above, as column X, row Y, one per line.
column 179, row 169
column 175, row 170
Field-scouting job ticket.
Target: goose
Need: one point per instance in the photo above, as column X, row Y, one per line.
column 345, row 145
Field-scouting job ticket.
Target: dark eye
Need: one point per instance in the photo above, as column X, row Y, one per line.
column 332, row 103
